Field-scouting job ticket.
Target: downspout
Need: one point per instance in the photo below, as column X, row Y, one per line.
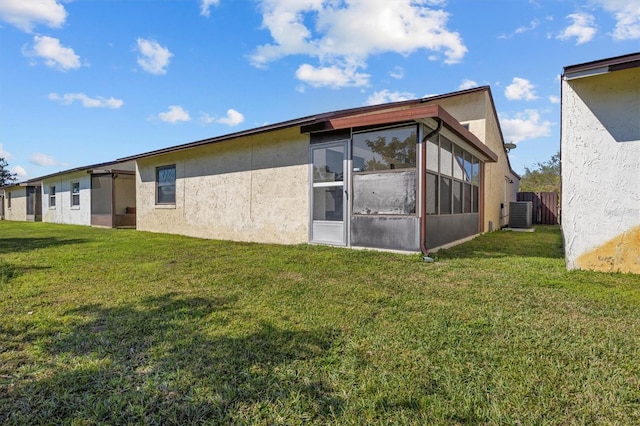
column 423, row 180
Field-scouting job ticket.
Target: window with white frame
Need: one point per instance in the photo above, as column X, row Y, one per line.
column 52, row 196
column 166, row 184
column 75, row 193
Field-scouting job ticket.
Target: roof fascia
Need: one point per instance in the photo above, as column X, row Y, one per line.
column 244, row 133
column 602, row 66
column 80, row 169
column 397, row 116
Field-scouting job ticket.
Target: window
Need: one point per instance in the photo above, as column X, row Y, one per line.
column 8, row 200
column 445, row 195
column 75, row 193
column 166, row 184
column 453, row 179
column 52, row 196
column 385, row 149
column 467, row 198
column 432, row 156
column 445, row 157
column 457, row 197
column 432, row 193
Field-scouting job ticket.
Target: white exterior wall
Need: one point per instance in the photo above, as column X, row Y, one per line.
column 64, row 212
column 18, row 210
column 254, row 188
column 600, row 150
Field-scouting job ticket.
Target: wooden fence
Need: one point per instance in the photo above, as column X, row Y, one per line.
column 546, row 210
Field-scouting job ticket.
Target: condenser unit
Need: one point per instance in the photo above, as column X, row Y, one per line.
column 520, row 214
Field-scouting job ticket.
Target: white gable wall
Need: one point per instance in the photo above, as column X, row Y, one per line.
column 64, row 212
column 600, row 151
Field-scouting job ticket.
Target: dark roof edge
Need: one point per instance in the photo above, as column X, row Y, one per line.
column 38, row 180
column 303, row 121
column 229, row 136
column 495, row 114
column 615, row 63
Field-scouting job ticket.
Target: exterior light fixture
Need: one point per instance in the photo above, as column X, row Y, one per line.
column 509, row 146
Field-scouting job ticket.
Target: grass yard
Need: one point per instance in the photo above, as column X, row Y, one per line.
column 101, row 326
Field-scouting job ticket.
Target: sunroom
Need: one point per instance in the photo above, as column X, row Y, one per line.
column 404, row 179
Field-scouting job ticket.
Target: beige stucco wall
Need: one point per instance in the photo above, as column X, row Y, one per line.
column 254, row 188
column 501, row 185
column 125, row 193
column 18, row 210
column 64, row 212
column 600, row 154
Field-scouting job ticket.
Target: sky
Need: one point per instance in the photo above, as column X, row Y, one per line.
column 90, row 81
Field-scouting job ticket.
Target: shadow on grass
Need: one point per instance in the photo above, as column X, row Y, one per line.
column 12, row 245
column 9, row 271
column 174, row 360
column 545, row 242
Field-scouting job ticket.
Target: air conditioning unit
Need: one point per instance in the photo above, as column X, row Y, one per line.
column 520, row 214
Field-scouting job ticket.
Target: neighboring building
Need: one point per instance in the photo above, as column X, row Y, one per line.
column 600, row 163
column 100, row 195
column 409, row 175
column 22, row 201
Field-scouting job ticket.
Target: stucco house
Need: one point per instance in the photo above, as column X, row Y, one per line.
column 99, row 195
column 22, row 201
column 412, row 175
column 600, row 161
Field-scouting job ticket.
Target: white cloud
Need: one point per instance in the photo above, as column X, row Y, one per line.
column 345, row 33
column 583, row 28
column 87, row 102
column 25, row 14
column 467, row 84
column 332, row 76
column 554, row 99
column 385, row 96
column 5, row 154
column 627, row 14
column 532, row 26
column 54, row 54
column 520, row 88
column 524, row 125
column 40, row 159
column 175, row 114
column 397, row 73
column 233, row 118
column 154, row 57
column 19, row 171
column 206, row 118
column 205, row 5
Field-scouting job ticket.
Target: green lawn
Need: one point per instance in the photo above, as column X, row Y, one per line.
column 101, row 326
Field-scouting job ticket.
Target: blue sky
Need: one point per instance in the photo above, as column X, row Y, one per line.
column 90, row 81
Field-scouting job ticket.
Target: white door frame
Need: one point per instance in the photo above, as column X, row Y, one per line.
column 334, row 232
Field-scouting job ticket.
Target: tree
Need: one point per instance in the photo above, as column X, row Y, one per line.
column 545, row 177
column 6, row 177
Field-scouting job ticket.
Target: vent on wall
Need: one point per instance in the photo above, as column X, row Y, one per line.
column 520, row 214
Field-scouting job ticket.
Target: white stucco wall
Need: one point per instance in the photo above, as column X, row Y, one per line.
column 18, row 210
column 248, row 189
column 600, row 154
column 64, row 212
